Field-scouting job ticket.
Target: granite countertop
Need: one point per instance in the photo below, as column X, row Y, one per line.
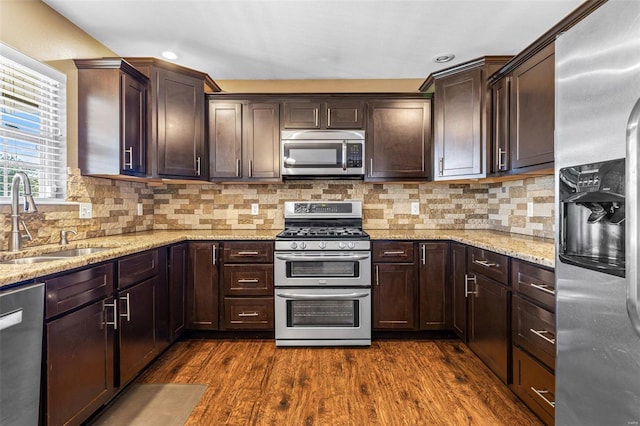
column 532, row 249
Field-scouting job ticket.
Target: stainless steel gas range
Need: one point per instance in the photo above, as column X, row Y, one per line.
column 322, row 276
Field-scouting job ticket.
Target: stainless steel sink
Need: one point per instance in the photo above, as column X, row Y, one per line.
column 76, row 252
column 31, row 259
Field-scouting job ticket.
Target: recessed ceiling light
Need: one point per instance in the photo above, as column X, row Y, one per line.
column 167, row 54
column 443, row 58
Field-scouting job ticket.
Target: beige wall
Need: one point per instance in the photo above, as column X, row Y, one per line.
column 320, row 86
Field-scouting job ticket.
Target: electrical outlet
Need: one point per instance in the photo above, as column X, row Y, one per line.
column 530, row 209
column 415, row 208
column 255, row 209
column 86, row 210
column 140, row 209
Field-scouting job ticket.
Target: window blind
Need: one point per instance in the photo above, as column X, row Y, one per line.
column 32, row 125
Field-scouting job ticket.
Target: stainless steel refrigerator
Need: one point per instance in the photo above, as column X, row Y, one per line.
column 596, row 165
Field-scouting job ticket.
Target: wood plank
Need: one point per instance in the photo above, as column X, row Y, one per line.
column 393, row 382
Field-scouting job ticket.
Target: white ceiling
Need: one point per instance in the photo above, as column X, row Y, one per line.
column 310, row 39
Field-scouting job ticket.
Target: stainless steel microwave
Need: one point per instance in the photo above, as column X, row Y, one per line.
column 322, row 153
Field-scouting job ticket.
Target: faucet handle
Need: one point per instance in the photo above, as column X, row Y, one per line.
column 27, row 234
column 63, row 235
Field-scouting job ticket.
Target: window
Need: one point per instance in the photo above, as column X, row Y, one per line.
column 32, row 125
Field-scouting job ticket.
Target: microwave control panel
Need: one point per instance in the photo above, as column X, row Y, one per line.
column 354, row 155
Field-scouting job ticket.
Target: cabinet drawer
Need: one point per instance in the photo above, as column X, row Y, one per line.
column 393, row 251
column 138, row 267
column 534, row 282
column 489, row 264
column 534, row 330
column 248, row 313
column 535, row 385
column 72, row 290
column 248, row 280
column 247, row 252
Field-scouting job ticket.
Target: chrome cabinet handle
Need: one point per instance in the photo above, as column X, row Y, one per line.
column 371, row 167
column 213, row 254
column 198, row 165
column 344, row 155
column 328, row 117
column 467, row 280
column 315, row 117
column 541, row 334
column 394, row 253
column 250, row 168
column 248, row 280
column 248, row 314
column 115, row 314
column 423, row 250
column 541, row 394
column 248, row 253
column 441, row 166
column 297, row 296
column 541, row 287
column 129, row 152
column 501, row 152
column 127, row 314
column 377, row 275
column 238, row 167
column 485, row 263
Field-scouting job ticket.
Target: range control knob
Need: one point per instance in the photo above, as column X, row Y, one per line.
column 303, row 245
column 322, row 244
column 352, row 244
column 293, row 245
column 341, row 245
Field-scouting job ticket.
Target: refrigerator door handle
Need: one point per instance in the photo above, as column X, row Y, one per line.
column 632, row 229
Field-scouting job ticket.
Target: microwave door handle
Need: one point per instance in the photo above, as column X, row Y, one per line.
column 322, row 257
column 632, row 229
column 344, row 155
column 322, row 296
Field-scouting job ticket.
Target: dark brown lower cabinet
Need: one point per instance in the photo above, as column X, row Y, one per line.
column 79, row 376
column 459, row 290
column 435, row 291
column 394, row 296
column 136, row 331
column 489, row 324
column 202, row 291
column 178, row 265
column 534, row 384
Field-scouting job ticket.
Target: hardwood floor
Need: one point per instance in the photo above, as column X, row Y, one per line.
column 394, row 382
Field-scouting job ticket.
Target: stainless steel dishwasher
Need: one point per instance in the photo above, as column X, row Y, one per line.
column 21, row 327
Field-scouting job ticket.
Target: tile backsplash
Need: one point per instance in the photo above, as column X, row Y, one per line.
column 498, row 206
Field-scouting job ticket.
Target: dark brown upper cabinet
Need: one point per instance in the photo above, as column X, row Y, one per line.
column 500, row 158
column 176, row 147
column 323, row 114
column 244, row 140
column 532, row 110
column 398, row 139
column 462, row 118
column 112, row 120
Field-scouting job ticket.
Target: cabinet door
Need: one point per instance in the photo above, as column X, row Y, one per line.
column 398, row 139
column 202, row 290
column 435, row 292
column 180, row 121
column 179, row 262
column 488, row 324
column 262, row 141
column 301, row 115
column 457, row 128
column 459, row 293
column 225, row 140
column 532, row 110
column 345, row 115
column 134, row 129
column 79, row 374
column 136, row 329
column 393, row 296
column 500, row 124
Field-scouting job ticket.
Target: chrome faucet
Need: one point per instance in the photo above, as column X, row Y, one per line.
column 16, row 237
column 63, row 235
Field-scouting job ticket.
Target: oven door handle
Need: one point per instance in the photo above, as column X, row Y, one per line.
column 322, row 257
column 296, row 296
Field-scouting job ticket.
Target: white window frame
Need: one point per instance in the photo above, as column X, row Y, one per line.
column 33, row 125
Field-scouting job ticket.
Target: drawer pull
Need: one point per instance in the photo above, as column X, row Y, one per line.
column 115, row 314
column 248, row 253
column 394, row 253
column 541, row 334
column 485, row 263
column 248, row 314
column 423, row 253
column 248, row 281
column 467, row 279
column 542, row 393
column 541, row 287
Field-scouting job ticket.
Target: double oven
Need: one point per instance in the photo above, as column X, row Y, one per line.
column 322, row 276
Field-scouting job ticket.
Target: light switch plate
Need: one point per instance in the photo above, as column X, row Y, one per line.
column 530, row 209
column 415, row 208
column 140, row 209
column 255, row 209
column 85, row 210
